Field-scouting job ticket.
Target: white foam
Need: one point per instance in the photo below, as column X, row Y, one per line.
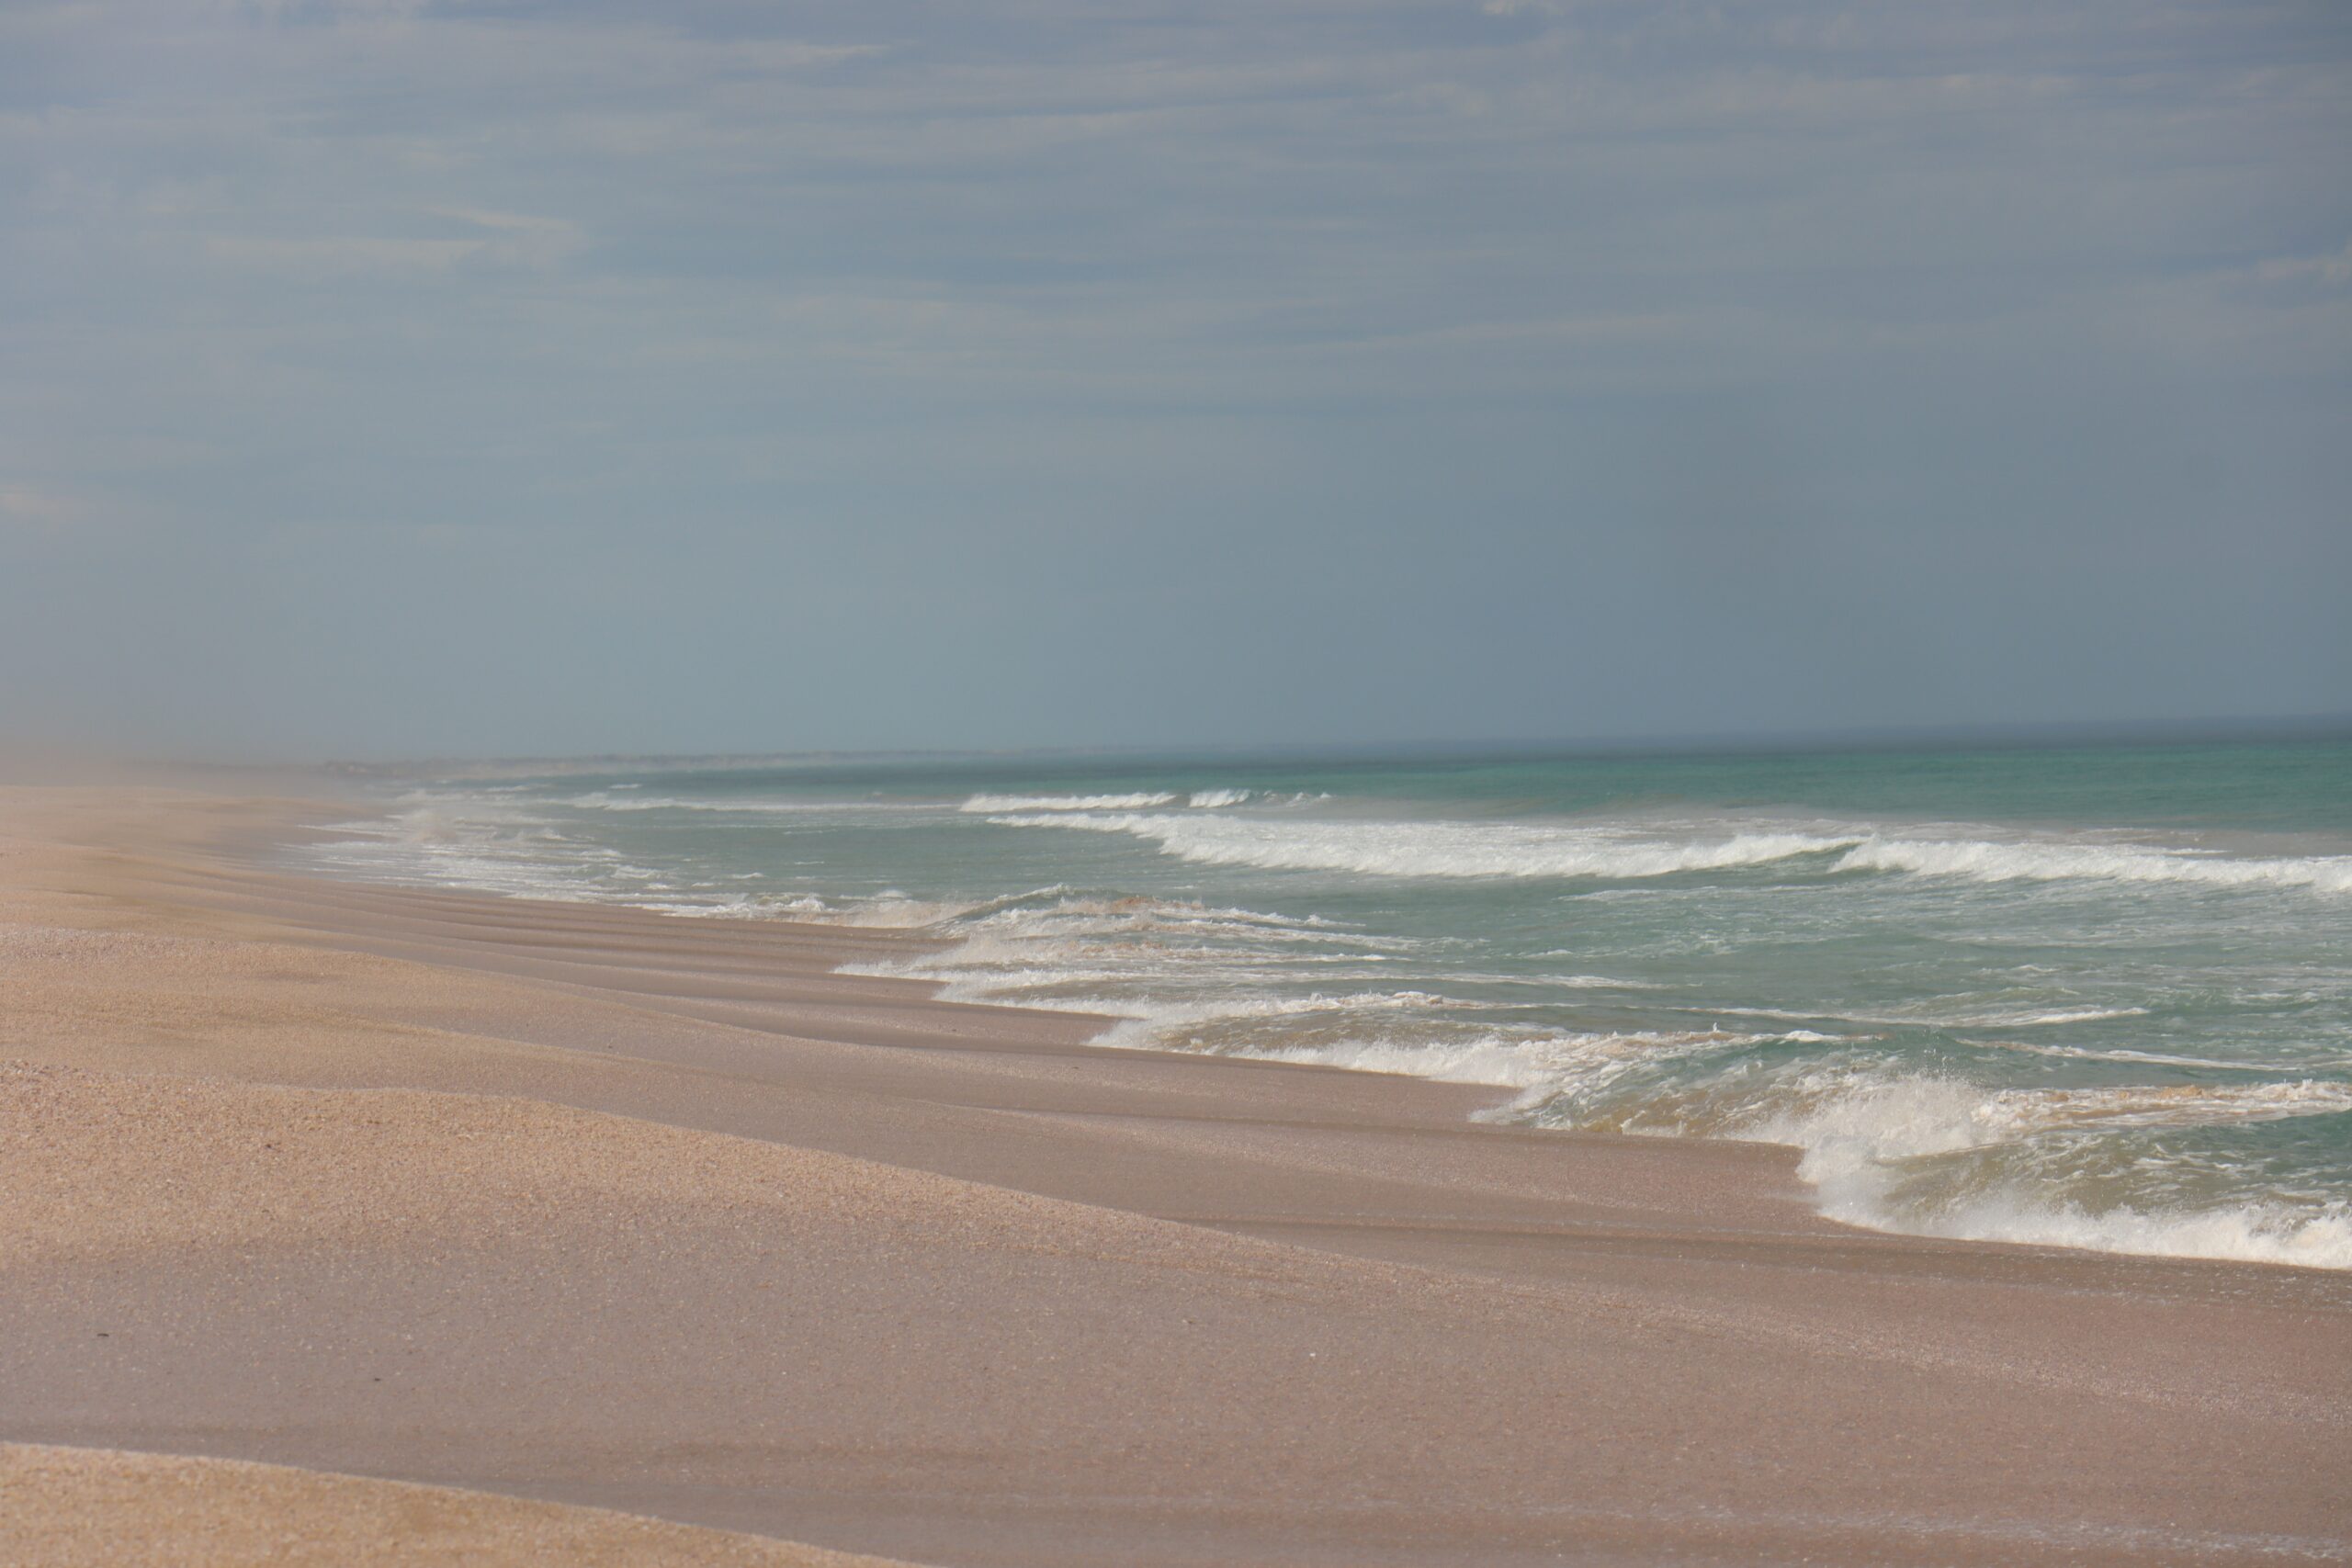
column 1543, row 1065
column 1174, row 961
column 601, row 800
column 2023, row 1111
column 1860, row 1132
column 1570, row 982
column 1462, row 849
column 1934, row 1017
column 884, row 912
column 1858, row 1139
column 1153, row 1023
column 1214, row 799
column 984, row 803
column 2034, row 860
column 1887, row 1118
column 2088, row 1054
column 1499, row 1063
column 2029, row 1019
column 2257, row 1233
column 1431, row 849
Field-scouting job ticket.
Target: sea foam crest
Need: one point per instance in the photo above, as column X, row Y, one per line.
column 1140, row 800
column 608, row 800
column 1433, row 848
column 1858, row 1141
column 1541, row 1066
column 1983, row 861
column 984, row 803
column 1863, row 1131
column 1454, row 849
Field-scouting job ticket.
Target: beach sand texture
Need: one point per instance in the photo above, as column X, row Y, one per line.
column 102, row 1507
column 595, row 1207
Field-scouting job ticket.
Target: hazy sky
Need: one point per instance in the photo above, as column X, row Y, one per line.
column 383, row 378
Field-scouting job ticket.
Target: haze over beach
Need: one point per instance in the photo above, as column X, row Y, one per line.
column 1311, row 783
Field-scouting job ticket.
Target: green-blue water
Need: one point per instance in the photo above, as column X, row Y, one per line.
column 2096, row 997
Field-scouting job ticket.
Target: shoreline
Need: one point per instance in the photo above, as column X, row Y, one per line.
column 263, row 849
column 1060, row 1301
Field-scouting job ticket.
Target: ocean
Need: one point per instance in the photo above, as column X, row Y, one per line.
column 2096, row 997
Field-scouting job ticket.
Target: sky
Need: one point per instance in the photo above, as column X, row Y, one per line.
column 383, row 378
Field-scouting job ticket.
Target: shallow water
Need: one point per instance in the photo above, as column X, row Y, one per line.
column 2096, row 997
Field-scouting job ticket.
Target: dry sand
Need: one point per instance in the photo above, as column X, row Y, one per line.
column 103, row 1508
column 596, row 1207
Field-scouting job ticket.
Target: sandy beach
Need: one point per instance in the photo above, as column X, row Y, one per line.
column 346, row 1223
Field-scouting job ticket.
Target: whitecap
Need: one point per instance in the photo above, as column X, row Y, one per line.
column 985, row 804
column 1989, row 860
column 1430, row 849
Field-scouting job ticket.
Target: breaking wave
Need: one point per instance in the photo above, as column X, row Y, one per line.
column 612, row 800
column 1894, row 1153
column 1918, row 1154
column 1199, row 800
column 988, row 803
column 1431, row 849
column 1980, row 860
column 1475, row 849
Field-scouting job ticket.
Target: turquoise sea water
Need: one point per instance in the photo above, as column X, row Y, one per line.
column 2096, row 997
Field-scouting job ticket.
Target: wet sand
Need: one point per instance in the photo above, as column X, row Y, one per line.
column 593, row 1206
